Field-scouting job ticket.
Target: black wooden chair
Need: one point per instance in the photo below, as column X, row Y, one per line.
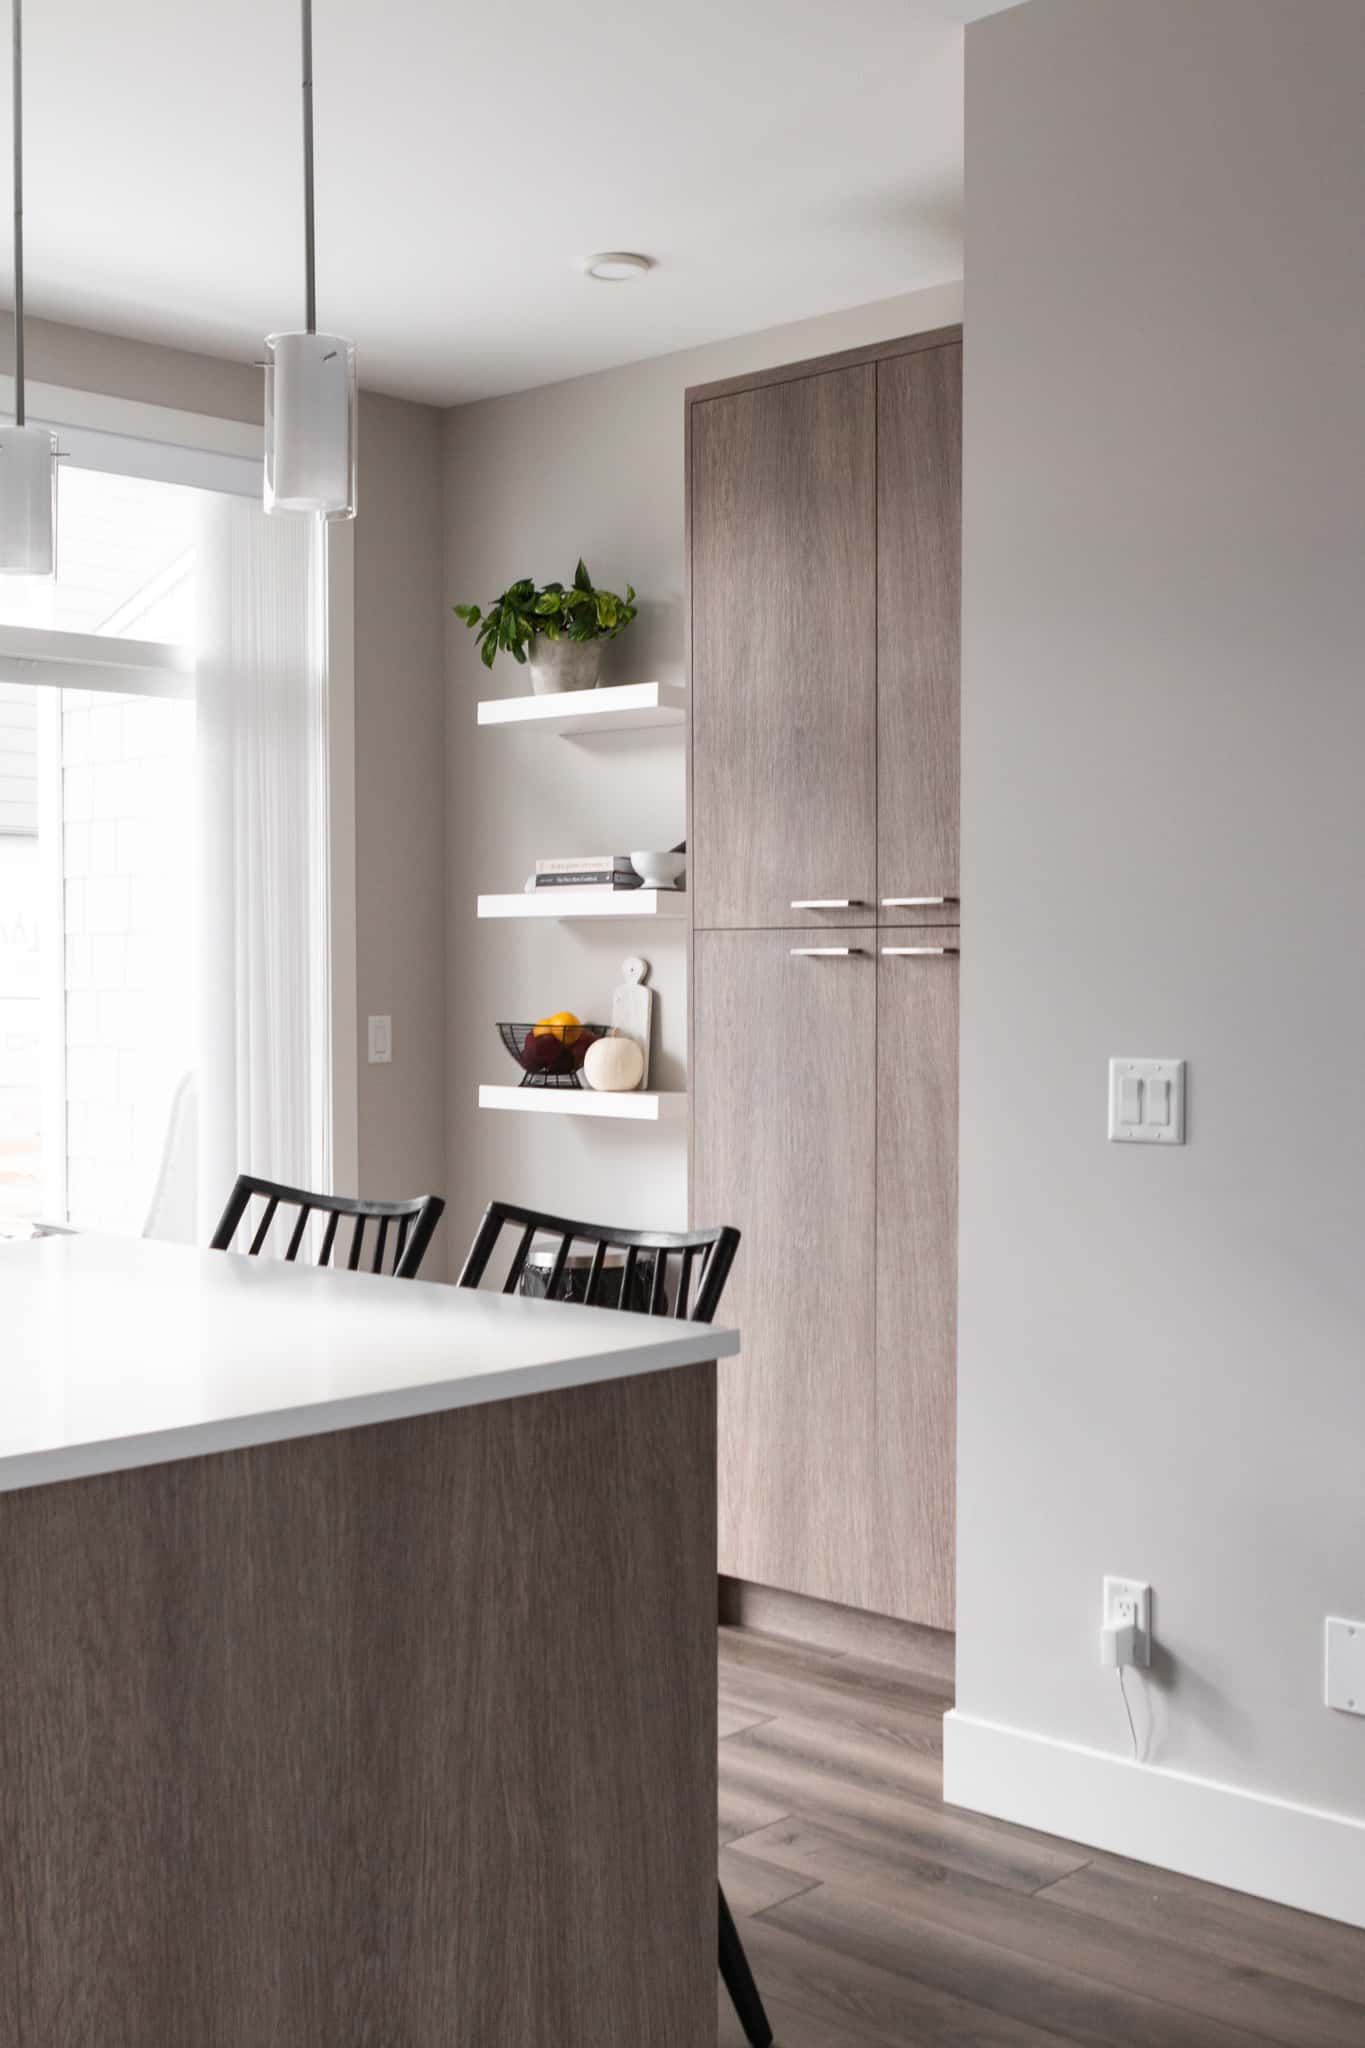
column 649, row 1282
column 411, row 1224
column 646, row 1279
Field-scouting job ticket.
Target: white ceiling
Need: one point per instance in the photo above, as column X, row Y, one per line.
column 779, row 158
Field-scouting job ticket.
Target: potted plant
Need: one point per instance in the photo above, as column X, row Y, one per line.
column 559, row 631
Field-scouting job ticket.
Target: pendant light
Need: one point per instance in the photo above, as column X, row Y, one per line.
column 310, row 383
column 28, row 455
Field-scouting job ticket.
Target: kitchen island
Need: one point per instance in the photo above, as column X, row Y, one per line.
column 357, row 1660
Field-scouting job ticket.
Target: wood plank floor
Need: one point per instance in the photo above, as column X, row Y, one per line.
column 875, row 1917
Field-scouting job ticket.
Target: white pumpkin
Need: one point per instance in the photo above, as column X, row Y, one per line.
column 614, row 1066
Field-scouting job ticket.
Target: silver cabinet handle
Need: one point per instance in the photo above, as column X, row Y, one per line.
column 823, row 952
column 830, row 903
column 918, row 952
column 916, row 902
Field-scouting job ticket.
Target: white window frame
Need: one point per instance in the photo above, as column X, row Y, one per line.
column 131, row 438
column 52, row 993
column 94, row 661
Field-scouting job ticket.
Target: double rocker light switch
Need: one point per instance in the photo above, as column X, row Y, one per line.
column 1147, row 1102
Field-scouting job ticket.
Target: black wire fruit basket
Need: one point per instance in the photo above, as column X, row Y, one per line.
column 551, row 1055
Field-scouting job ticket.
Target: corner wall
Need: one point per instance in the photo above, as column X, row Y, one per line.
column 1161, row 1359
column 400, row 720
column 591, row 467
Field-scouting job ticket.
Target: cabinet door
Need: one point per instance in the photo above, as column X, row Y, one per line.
column 784, row 650
column 917, row 1027
column 919, row 605
column 784, row 1146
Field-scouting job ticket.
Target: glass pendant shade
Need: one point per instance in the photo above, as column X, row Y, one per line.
column 310, row 424
column 28, row 501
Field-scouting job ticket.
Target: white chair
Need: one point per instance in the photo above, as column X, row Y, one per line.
column 173, row 1214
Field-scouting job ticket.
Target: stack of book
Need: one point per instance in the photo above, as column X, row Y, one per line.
column 587, row 871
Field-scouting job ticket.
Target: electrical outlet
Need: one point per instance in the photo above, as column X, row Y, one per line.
column 1127, row 1605
column 1346, row 1665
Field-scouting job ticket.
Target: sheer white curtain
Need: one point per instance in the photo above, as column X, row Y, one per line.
column 264, row 1078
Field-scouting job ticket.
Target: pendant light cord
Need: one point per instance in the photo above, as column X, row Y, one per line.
column 309, row 253
column 17, row 14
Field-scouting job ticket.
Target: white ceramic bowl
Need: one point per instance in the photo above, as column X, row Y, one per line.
column 659, row 870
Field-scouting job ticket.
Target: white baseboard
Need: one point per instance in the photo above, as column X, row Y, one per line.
column 1296, row 1855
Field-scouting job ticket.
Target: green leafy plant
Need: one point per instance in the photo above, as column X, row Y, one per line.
column 523, row 613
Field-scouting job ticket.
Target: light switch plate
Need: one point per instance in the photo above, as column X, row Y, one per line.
column 1147, row 1102
column 381, row 1041
column 1346, row 1665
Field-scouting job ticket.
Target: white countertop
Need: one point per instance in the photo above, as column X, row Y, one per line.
column 117, row 1353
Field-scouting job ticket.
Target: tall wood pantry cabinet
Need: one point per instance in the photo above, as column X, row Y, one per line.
column 824, row 542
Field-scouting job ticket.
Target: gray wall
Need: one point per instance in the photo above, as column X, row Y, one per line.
column 591, row 467
column 1164, row 730
column 400, row 709
column 80, row 360
column 399, row 715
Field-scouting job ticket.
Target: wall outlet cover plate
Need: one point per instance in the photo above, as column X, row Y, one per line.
column 1346, row 1665
column 1130, row 1600
column 1146, row 1102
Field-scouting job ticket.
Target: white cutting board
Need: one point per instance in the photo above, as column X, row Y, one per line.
column 632, row 1008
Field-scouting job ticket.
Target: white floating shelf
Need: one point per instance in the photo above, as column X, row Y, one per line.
column 621, row 707
column 562, row 903
column 638, row 1106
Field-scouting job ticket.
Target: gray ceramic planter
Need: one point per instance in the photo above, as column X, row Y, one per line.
column 563, row 665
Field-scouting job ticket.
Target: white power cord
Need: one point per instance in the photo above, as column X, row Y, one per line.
column 1132, row 1727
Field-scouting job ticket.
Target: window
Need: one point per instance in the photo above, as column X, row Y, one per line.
column 175, row 907
column 97, row 853
column 125, row 562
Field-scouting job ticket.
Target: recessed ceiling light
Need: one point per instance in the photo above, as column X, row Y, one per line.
column 614, row 266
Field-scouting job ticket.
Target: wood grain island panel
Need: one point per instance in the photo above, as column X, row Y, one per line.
column 398, row 1734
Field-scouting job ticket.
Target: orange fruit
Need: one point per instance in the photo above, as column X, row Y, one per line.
column 563, row 1025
